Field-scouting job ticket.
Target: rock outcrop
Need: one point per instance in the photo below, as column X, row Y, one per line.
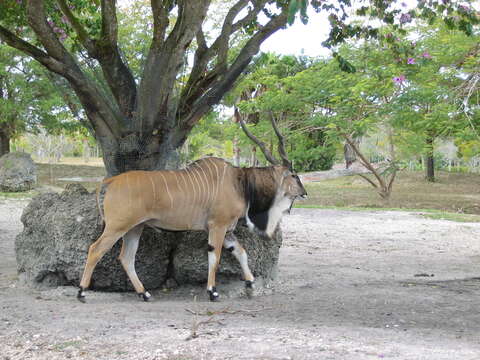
column 59, row 228
column 17, row 172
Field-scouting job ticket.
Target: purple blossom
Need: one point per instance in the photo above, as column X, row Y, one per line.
column 426, row 55
column 403, row 4
column 410, row 61
column 464, row 8
column 63, row 37
column 405, row 18
column 19, row 2
column 50, row 22
column 399, row 79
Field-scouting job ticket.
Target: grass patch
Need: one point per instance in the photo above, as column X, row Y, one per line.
column 452, row 217
column 48, row 174
column 62, row 346
column 452, row 193
column 18, row 195
column 427, row 213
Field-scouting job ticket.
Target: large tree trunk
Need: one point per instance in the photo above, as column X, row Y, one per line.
column 141, row 123
column 134, row 151
column 4, row 142
column 429, row 160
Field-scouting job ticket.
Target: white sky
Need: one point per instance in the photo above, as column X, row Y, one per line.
column 303, row 39
column 307, row 39
column 300, row 39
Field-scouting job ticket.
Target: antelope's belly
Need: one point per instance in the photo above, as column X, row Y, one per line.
column 178, row 224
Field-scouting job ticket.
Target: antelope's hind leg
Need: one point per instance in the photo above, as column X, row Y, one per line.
column 216, row 236
column 95, row 253
column 127, row 258
column 232, row 245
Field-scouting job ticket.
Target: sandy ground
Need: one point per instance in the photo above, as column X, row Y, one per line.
column 351, row 285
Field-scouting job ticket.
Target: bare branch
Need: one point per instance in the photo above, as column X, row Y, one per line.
column 224, row 81
column 160, row 11
column 109, row 21
column 199, row 81
column 42, row 57
column 281, row 143
column 365, row 162
column 367, row 179
column 37, row 20
column 261, row 144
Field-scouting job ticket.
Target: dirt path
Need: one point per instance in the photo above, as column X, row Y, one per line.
column 351, row 285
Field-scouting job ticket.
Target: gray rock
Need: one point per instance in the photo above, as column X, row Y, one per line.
column 17, row 172
column 59, row 228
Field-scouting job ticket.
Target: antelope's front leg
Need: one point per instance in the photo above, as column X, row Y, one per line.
column 216, row 235
column 232, row 245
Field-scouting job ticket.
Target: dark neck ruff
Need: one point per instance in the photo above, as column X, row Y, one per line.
column 259, row 187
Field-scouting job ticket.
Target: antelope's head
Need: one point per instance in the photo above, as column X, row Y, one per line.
column 291, row 185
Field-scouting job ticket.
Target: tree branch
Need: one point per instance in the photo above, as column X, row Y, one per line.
column 82, row 34
column 367, row 179
column 42, row 57
column 37, row 20
column 281, row 143
column 194, row 108
column 198, row 80
column 365, row 162
column 163, row 65
column 160, row 11
column 261, row 144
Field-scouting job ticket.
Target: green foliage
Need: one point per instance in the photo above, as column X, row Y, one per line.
column 29, row 100
column 274, row 88
column 311, row 153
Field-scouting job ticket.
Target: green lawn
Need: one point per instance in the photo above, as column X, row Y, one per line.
column 453, row 192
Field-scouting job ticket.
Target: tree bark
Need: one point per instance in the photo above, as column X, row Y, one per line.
column 4, row 142
column 429, row 159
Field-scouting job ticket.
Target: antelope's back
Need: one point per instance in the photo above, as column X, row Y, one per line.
column 184, row 199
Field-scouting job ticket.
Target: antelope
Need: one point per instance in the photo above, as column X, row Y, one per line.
column 210, row 195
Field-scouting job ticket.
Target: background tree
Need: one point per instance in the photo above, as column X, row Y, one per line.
column 29, row 100
column 429, row 76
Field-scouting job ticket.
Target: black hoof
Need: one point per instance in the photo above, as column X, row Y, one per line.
column 81, row 295
column 145, row 296
column 249, row 288
column 213, row 294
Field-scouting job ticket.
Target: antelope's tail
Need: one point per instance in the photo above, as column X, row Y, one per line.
column 99, row 188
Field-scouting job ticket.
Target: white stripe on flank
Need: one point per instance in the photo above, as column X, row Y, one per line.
column 178, row 182
column 193, row 187
column 191, row 202
column 212, row 179
column 206, row 184
column 185, row 197
column 196, row 181
column 153, row 188
column 218, row 178
column 168, row 191
column 129, row 190
column 223, row 175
